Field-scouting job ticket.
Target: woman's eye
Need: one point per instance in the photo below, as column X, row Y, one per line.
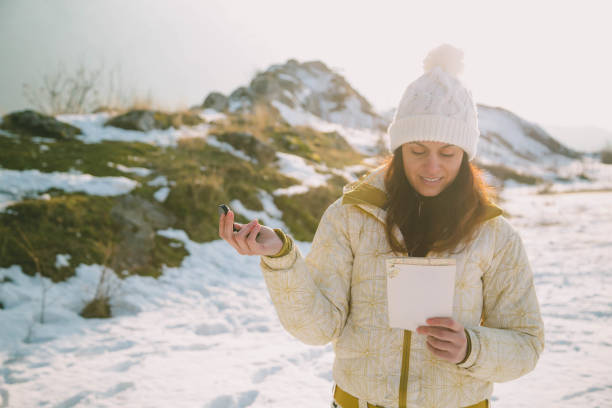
column 447, row 154
column 418, row 153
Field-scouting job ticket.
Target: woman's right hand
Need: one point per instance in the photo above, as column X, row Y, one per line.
column 244, row 241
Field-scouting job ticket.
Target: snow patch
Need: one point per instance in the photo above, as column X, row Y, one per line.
column 17, row 185
column 62, row 260
column 364, row 140
column 94, row 131
column 226, row 147
column 211, row 115
column 159, row 181
column 270, row 216
column 138, row 171
column 296, row 167
column 161, row 194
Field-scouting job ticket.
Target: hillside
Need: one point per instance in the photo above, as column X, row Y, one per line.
column 77, row 190
column 105, row 188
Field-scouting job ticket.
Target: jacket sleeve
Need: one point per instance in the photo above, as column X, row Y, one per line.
column 510, row 339
column 311, row 294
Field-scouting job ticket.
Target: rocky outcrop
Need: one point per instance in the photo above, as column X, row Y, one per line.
column 308, row 87
column 146, row 120
column 140, row 220
column 32, row 123
column 216, row 101
column 241, row 100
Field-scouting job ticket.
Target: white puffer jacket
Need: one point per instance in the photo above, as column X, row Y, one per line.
column 337, row 293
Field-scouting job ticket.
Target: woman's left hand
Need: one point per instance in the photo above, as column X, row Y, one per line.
column 445, row 338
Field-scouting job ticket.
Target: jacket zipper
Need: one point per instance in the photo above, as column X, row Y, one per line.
column 403, row 389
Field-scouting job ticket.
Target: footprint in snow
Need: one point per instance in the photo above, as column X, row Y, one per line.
column 210, row 329
column 241, row 400
column 262, row 373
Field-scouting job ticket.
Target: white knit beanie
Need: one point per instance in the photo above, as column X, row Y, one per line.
column 437, row 107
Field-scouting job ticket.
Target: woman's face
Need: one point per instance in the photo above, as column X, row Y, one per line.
column 431, row 166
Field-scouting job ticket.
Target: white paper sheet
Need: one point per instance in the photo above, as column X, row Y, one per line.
column 419, row 288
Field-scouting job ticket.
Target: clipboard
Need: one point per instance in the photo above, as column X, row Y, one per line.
column 418, row 289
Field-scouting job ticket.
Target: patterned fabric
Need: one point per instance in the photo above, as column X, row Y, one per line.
column 337, row 293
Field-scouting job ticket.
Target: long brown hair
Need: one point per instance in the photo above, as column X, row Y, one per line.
column 438, row 223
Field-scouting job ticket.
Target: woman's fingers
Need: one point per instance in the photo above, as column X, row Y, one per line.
column 446, row 355
column 221, row 224
column 228, row 226
column 226, row 230
column 241, row 237
column 447, row 322
column 441, row 344
column 251, row 243
column 440, row 333
column 445, row 338
column 244, row 241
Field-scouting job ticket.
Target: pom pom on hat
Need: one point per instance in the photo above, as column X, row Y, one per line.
column 447, row 57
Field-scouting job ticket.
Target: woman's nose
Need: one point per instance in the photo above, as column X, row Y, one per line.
column 432, row 165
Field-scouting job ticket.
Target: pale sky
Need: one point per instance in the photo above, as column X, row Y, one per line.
column 548, row 61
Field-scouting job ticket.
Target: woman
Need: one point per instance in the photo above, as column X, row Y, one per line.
column 427, row 200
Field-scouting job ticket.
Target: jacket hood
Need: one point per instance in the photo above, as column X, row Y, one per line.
column 368, row 193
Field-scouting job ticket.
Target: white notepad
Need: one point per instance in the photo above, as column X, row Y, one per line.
column 418, row 289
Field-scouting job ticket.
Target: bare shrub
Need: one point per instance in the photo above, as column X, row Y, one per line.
column 33, row 254
column 99, row 306
column 145, row 102
column 84, row 90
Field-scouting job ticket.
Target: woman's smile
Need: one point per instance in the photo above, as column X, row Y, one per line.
column 431, row 180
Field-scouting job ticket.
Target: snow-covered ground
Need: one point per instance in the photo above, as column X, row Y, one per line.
column 17, row 185
column 94, row 131
column 206, row 335
column 362, row 139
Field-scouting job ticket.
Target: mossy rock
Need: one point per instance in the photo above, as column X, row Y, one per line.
column 32, row 123
column 33, row 232
column 146, row 120
column 87, row 228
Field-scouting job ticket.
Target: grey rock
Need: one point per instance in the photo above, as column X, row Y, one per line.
column 140, row 219
column 216, row 101
column 32, row 123
column 241, row 100
column 142, row 120
column 146, row 120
